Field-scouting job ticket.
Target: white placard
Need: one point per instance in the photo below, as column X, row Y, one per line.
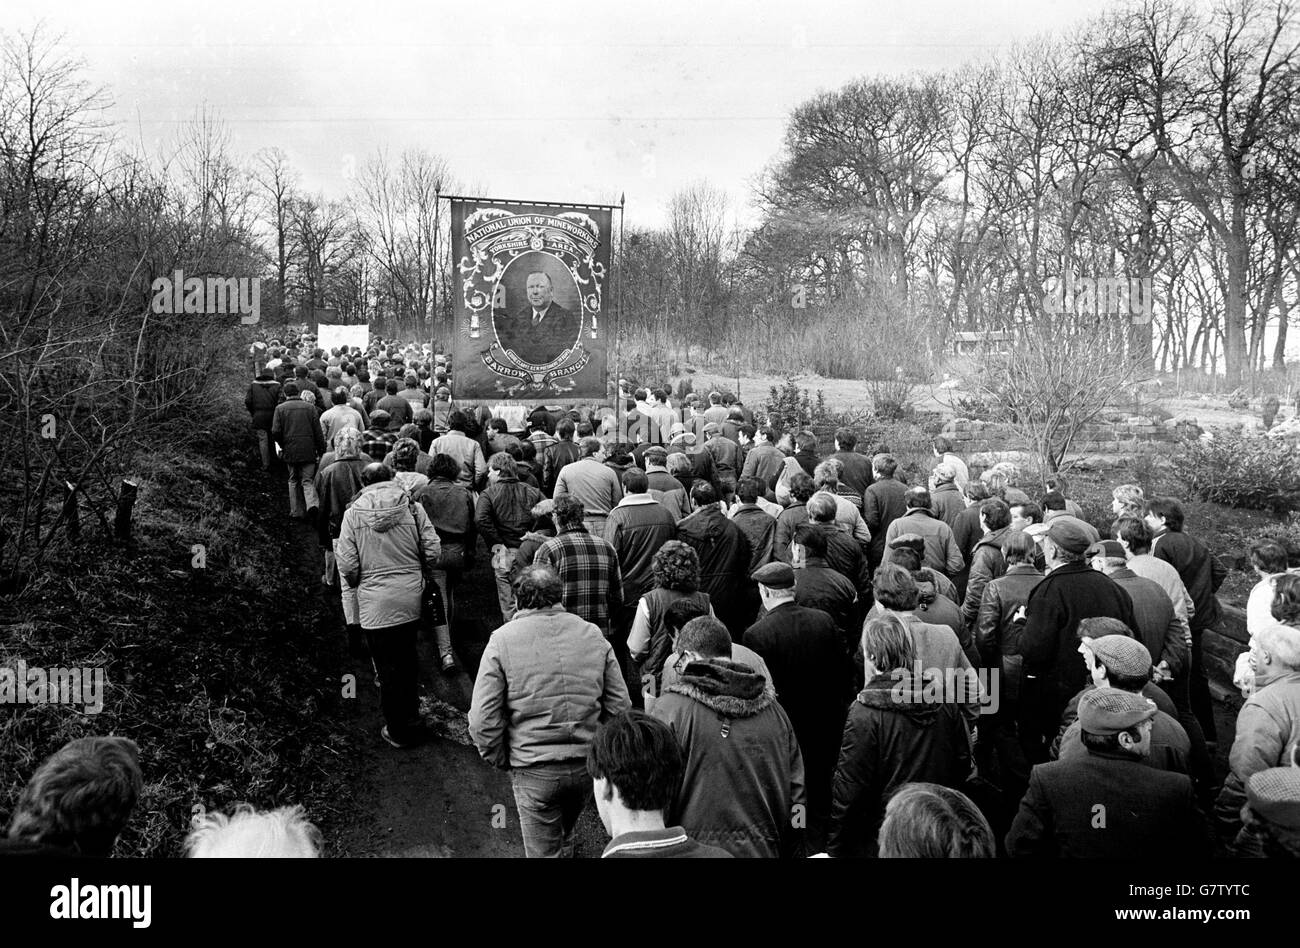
column 328, row 337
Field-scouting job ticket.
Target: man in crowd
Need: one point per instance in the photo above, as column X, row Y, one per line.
column 586, row 564
column 295, row 427
column 843, row 554
column 386, row 543
column 464, row 450
column 883, row 502
column 1109, row 804
column 260, row 400
column 592, row 483
column 941, row 551
column 725, row 555
column 1157, row 627
column 855, row 469
column 503, row 514
column 78, row 801
column 558, row 455
column 813, row 677
column 818, row 586
column 784, row 546
column 1202, row 574
column 764, row 459
column 743, row 785
column 725, row 455
column 1268, row 725
column 339, row 416
column 986, row 562
column 635, row 766
column 943, row 450
column 757, row 523
column 546, row 681
column 663, row 487
column 398, row 408
column 1071, row 591
column 946, row 500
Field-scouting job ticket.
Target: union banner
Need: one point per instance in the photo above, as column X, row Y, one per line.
column 531, row 283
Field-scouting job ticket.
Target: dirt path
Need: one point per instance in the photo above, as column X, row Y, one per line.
column 441, row 799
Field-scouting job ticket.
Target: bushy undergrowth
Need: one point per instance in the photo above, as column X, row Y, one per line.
column 1251, row 472
column 220, row 674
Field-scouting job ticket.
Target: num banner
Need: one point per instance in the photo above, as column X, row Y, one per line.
column 531, row 283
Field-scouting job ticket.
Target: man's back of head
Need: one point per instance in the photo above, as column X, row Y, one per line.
column 81, row 797
column 705, row 637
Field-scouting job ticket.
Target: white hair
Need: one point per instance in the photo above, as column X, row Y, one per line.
column 276, row 834
column 1282, row 642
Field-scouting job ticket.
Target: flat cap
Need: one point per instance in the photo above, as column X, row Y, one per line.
column 1111, row 549
column 1274, row 795
column 909, row 541
column 775, row 575
column 1110, row 711
column 1122, row 655
column 944, row 472
column 712, row 427
column 1069, row 536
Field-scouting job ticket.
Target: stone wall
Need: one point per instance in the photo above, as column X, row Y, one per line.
column 1126, row 434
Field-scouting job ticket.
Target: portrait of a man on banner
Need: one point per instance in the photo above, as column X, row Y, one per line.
column 532, row 282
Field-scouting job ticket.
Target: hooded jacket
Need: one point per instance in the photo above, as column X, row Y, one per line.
column 743, row 770
column 263, row 395
column 900, row 730
column 377, row 553
column 1268, row 732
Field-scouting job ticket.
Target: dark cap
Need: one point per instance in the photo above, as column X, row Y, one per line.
column 1069, row 536
column 775, row 576
column 1111, row 549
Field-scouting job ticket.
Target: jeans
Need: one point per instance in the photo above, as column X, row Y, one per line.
column 505, row 592
column 442, row 633
column 302, row 485
column 397, row 664
column 550, row 798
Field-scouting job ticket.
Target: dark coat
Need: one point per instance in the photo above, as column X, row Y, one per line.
column 1157, row 626
column 1201, row 572
column 504, row 511
column 986, row 564
column 1049, row 644
column 725, row 555
column 296, row 426
column 855, row 472
column 817, row 586
column 947, row 503
column 966, row 530
column 786, row 525
column 743, row 771
column 336, row 485
column 636, row 531
column 760, row 529
column 808, row 460
column 882, row 504
column 892, row 737
column 1145, row 811
column 813, row 678
column 997, row 630
column 556, row 457
column 260, row 401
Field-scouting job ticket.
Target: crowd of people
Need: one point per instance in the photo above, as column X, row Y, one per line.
column 739, row 647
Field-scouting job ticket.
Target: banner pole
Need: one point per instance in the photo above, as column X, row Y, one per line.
column 432, row 318
column 618, row 338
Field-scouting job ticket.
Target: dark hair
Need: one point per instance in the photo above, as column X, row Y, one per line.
column 444, row 466
column 1018, row 547
column 589, row 447
column 1135, row 532
column 908, row 558
column 929, row 821
column 457, row 420
column 814, row 540
column 1054, row 500
column 503, row 462
column 917, row 497
column 538, row 586
column 81, row 797
column 822, row 507
column 291, row 390
column 768, row 434
column 802, row 486
column 705, row 635
column 1030, row 511
column 1268, row 556
column 640, row 757
column 1055, row 482
column 703, row 494
column 895, row 588
column 977, row 490
column 635, row 481
column 943, row 444
column 806, row 440
column 847, row 438
column 568, row 512
column 339, row 396
column 750, row 489
column 498, row 424
column 375, row 473
column 1286, row 599
column 748, row 431
column 682, row 611
column 996, row 513
column 565, row 428
column 391, row 387
column 406, row 451
column 676, row 566
column 1168, row 508
column 527, row 451
column 1106, row 743
column 886, row 464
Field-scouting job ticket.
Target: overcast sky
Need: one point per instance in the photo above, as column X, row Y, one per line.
column 552, row 101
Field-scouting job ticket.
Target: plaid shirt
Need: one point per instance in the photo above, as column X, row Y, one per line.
column 588, row 567
column 377, row 444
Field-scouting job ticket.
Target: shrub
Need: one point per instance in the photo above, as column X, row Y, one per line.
column 1250, row 472
column 791, row 408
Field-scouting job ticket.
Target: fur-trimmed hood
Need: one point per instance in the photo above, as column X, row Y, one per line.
column 729, row 688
